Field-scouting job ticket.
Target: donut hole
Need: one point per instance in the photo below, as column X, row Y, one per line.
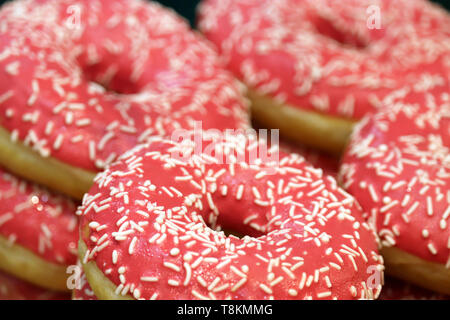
column 347, row 38
column 230, row 232
column 114, row 71
column 114, row 79
column 231, row 225
column 231, row 221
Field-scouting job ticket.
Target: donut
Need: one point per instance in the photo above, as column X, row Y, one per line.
column 316, row 67
column 38, row 233
column 158, row 236
column 398, row 167
column 395, row 289
column 83, row 81
column 12, row 288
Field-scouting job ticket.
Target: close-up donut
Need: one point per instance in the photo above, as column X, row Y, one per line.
column 316, row 67
column 38, row 233
column 398, row 168
column 328, row 164
column 148, row 236
column 81, row 82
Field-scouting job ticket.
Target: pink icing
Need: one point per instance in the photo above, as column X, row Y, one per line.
column 40, row 221
column 159, row 76
column 321, row 55
column 151, row 218
column 397, row 166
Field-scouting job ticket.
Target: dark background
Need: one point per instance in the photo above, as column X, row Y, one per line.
column 187, row 7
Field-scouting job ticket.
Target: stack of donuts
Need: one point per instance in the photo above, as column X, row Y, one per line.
column 129, row 168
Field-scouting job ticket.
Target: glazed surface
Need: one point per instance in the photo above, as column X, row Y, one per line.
column 38, row 220
column 156, row 236
column 84, row 81
column 330, row 56
column 397, row 166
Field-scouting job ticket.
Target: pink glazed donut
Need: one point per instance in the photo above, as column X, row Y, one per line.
column 38, row 233
column 83, row 81
column 398, row 168
column 150, row 226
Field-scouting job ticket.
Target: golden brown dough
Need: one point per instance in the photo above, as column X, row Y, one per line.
column 23, row 161
column 24, row 264
column 306, row 127
column 410, row 268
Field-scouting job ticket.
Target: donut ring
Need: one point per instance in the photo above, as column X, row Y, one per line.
column 38, row 233
column 398, row 168
column 305, row 237
column 314, row 67
column 58, row 126
column 12, row 288
column 327, row 164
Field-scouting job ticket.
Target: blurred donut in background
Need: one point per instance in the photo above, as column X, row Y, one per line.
column 316, row 67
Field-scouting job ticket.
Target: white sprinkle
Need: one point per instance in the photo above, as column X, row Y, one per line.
column 324, row 294
column 432, row 249
column 172, row 266
column 240, row 192
column 239, row 284
column 173, row 283
column 149, row 279
column 115, row 257
column 132, row 245
column 265, row 288
column 429, row 206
